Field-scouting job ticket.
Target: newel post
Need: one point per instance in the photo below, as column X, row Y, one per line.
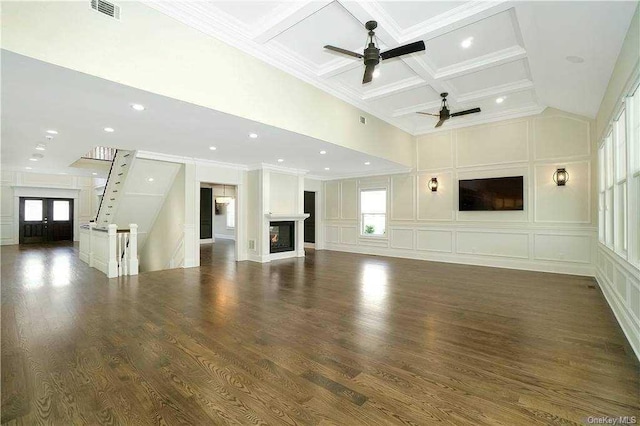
column 112, row 263
column 133, row 249
column 92, row 233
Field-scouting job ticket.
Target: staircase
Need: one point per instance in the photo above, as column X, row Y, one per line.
column 120, row 166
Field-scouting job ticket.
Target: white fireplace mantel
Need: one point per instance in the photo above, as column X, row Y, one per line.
column 292, row 216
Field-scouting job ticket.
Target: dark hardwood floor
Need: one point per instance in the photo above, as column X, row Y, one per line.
column 335, row 338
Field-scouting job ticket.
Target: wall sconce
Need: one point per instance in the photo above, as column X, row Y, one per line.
column 433, row 184
column 561, row 177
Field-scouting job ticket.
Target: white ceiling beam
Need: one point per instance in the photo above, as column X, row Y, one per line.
column 415, row 108
column 389, row 89
column 503, row 89
column 288, row 17
column 500, row 57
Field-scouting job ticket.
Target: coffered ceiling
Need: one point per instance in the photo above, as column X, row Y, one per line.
column 530, row 54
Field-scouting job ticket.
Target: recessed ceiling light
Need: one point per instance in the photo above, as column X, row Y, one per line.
column 33, row 159
column 137, row 107
column 500, row 100
column 323, row 152
column 212, row 148
column 94, row 173
column 64, row 173
column 280, row 160
column 52, row 132
column 40, row 147
column 149, row 179
column 28, row 168
column 467, row 42
column 366, row 163
column 575, row 59
column 376, row 73
column 326, row 168
column 253, row 135
column 109, row 129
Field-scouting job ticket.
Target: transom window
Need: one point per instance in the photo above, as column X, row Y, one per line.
column 373, row 212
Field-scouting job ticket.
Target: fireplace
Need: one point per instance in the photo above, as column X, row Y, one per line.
column 282, row 236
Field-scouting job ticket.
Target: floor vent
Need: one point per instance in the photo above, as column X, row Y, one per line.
column 106, row 7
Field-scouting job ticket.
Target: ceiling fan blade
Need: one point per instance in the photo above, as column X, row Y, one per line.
column 403, row 50
column 344, row 51
column 368, row 74
column 465, row 112
column 440, row 123
column 427, row 113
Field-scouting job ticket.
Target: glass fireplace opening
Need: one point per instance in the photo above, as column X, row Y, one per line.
column 281, row 236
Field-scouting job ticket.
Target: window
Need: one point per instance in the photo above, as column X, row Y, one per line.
column 60, row 210
column 620, row 191
column 32, row 210
column 373, row 212
column 231, row 213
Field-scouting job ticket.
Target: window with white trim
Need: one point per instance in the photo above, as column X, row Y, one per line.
column 373, row 212
column 231, row 214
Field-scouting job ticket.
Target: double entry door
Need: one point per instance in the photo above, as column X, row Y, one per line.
column 44, row 220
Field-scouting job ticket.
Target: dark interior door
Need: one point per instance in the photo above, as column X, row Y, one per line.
column 206, row 213
column 44, row 220
column 310, row 222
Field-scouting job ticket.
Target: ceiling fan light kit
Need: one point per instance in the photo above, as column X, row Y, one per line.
column 371, row 55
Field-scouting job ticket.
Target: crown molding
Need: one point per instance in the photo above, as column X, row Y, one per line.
column 148, row 155
column 504, row 89
column 278, row 169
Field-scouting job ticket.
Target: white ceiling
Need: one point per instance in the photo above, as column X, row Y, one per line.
column 518, row 52
column 38, row 96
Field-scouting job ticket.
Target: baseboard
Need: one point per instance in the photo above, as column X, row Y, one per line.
column 225, row 237
column 206, row 241
column 583, row 269
column 310, row 245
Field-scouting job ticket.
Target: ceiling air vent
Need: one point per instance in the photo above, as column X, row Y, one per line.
column 106, row 7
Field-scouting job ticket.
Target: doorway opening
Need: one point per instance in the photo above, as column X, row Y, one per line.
column 310, row 222
column 218, row 222
column 45, row 220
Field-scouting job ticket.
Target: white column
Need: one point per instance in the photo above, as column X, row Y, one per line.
column 112, row 263
column 133, row 249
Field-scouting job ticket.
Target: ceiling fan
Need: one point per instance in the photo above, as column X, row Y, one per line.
column 372, row 55
column 444, row 114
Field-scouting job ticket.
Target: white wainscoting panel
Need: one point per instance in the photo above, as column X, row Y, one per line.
column 435, row 151
column 401, row 238
column 492, row 144
column 566, row 248
column 349, row 235
column 332, row 234
column 436, row 205
column 402, row 197
column 432, row 240
column 570, row 203
column 560, row 136
column 349, row 199
column 501, row 244
column 332, row 200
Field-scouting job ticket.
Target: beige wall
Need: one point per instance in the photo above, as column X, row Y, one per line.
column 555, row 231
column 43, row 185
column 171, row 59
column 168, row 229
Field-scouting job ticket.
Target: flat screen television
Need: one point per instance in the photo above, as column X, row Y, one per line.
column 504, row 193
